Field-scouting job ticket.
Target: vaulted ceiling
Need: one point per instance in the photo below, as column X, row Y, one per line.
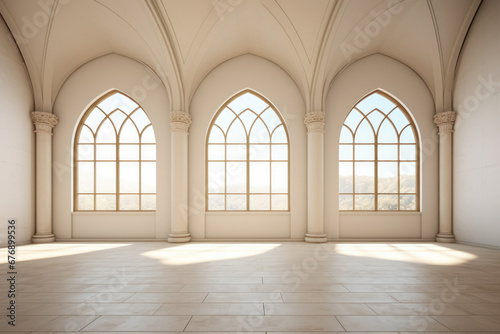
column 183, row 40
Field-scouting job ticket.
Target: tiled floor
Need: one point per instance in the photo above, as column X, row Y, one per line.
column 254, row 288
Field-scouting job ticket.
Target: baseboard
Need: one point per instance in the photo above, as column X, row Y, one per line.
column 110, row 240
column 477, row 245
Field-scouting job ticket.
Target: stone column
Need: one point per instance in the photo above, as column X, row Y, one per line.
column 445, row 121
column 314, row 122
column 44, row 122
column 179, row 125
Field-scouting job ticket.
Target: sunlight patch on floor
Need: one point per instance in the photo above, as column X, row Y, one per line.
column 200, row 253
column 414, row 253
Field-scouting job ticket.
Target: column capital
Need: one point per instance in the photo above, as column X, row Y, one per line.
column 180, row 121
column 315, row 121
column 44, row 121
column 445, row 121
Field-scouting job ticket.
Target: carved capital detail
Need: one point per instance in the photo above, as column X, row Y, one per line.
column 44, row 121
column 445, row 121
column 180, row 121
column 315, row 121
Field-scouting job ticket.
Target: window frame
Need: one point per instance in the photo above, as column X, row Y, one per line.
column 247, row 160
column 376, row 161
column 117, row 145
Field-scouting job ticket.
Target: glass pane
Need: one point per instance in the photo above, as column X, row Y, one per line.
column 408, row 179
column 346, row 202
column 94, row 119
column 259, row 133
column 407, row 135
column 148, row 202
column 224, row 119
column 353, row 119
column 148, row 152
column 280, row 152
column 85, row 177
column 236, row 202
column 270, row 119
column 216, row 152
column 279, row 177
column 387, row 133
column 140, row 119
column 345, row 135
column 148, row 136
column 216, row 135
column 236, row 177
column 364, row 177
column 129, row 177
column 86, row 135
column 279, row 202
column 105, row 152
column 407, row 152
column 364, row 133
column 364, row 152
column 399, row 119
column 105, row 202
column 236, row 152
column 388, row 152
column 216, row 202
column 364, row 202
column 129, row 202
column 129, row 152
column 346, row 152
column 85, row 152
column 105, row 177
column 375, row 100
column 407, row 202
column 376, row 117
column 236, row 133
column 260, row 178
column 106, row 133
column 345, row 177
column 117, row 117
column 128, row 133
column 247, row 100
column 148, row 177
column 387, row 177
column 260, row 202
column 216, row 177
column 248, row 117
column 260, row 152
column 279, row 135
column 85, row 202
column 388, row 202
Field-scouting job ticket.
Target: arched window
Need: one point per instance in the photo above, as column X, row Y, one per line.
column 247, row 157
column 115, row 157
column 379, row 157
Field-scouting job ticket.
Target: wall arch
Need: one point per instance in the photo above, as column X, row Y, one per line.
column 81, row 90
column 379, row 72
column 270, row 81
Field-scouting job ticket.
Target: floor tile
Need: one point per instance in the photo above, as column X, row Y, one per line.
column 390, row 323
column 211, row 309
column 138, row 323
column 264, row 323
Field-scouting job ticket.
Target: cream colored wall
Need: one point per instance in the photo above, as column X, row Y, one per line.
column 223, row 82
column 354, row 82
column 82, row 88
column 476, row 206
column 17, row 195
